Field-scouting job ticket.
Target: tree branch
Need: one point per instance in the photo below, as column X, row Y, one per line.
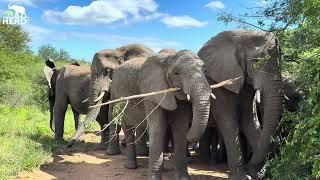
column 221, row 84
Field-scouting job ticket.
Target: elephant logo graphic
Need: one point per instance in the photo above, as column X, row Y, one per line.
column 19, row 10
column 15, row 15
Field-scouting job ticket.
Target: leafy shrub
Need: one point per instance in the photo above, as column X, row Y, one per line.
column 300, row 152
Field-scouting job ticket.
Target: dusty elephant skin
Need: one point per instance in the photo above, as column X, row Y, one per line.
column 253, row 55
column 212, row 139
column 69, row 85
column 161, row 71
column 103, row 64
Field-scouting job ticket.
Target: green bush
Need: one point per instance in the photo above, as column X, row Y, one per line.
column 26, row 138
column 299, row 155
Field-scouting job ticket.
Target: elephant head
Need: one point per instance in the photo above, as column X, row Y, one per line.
column 255, row 56
column 294, row 94
column 103, row 64
column 184, row 70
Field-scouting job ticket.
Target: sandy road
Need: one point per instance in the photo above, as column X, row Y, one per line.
column 82, row 162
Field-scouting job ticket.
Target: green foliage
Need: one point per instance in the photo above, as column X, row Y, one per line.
column 13, row 38
column 26, row 138
column 300, row 152
column 48, row 51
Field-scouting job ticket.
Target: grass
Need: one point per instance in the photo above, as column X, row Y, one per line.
column 26, row 138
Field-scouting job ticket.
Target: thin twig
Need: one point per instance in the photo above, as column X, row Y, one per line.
column 116, row 118
column 170, row 90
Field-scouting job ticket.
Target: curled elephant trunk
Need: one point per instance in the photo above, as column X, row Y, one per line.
column 200, row 95
column 95, row 97
column 272, row 97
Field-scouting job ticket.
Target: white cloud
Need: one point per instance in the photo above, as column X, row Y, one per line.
column 105, row 12
column 182, row 21
column 262, row 2
column 43, row 35
column 215, row 5
column 37, row 33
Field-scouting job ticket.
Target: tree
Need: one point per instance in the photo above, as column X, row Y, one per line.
column 64, row 55
column 48, row 51
column 13, row 37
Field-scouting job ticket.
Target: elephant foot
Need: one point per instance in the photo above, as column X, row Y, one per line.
column 131, row 164
column 142, row 150
column 253, row 171
column 101, row 146
column 156, row 176
column 182, row 176
column 60, row 141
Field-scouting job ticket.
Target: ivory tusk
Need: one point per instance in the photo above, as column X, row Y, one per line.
column 188, row 97
column 213, row 96
column 86, row 100
column 100, row 97
column 286, row 97
column 258, row 95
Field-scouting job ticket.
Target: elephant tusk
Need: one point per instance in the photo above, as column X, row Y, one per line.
column 286, row 97
column 188, row 97
column 100, row 97
column 86, row 100
column 213, row 96
column 258, row 96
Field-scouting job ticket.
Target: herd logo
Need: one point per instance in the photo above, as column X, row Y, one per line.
column 15, row 15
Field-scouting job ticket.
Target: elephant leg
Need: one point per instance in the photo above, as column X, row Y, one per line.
column 59, row 111
column 51, row 105
column 180, row 122
column 113, row 148
column 214, row 146
column 157, row 131
column 222, row 152
column 225, row 113
column 141, row 141
column 76, row 116
column 250, row 127
column 204, row 146
column 102, row 119
column 131, row 162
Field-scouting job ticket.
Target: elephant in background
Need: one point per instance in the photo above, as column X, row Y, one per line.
column 103, row 64
column 254, row 56
column 182, row 69
column 211, row 145
column 70, row 85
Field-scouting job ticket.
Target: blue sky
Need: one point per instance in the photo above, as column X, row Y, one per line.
column 84, row 27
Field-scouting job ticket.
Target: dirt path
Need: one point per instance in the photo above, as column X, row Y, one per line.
column 82, row 162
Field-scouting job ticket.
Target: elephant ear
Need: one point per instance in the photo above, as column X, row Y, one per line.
column 152, row 78
column 220, row 57
column 48, row 72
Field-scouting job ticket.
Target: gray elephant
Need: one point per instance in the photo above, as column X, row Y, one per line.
column 102, row 67
column 181, row 69
column 70, row 85
column 211, row 145
column 254, row 56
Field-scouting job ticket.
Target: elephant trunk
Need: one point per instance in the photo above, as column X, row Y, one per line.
column 95, row 89
column 272, row 97
column 200, row 94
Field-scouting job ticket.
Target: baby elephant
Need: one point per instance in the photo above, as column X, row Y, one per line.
column 182, row 69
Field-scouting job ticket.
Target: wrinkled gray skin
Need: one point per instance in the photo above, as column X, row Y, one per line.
column 70, row 85
column 255, row 56
column 211, row 140
column 161, row 71
column 102, row 67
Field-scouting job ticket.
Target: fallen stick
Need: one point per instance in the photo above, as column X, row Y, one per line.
column 214, row 86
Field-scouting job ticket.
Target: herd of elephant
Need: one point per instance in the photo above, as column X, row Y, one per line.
column 219, row 119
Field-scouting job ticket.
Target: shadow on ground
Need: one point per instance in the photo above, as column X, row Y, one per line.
column 82, row 161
